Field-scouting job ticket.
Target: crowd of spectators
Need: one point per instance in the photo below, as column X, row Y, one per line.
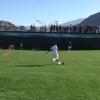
column 67, row 28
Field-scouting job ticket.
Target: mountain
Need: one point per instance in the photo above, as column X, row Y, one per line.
column 6, row 23
column 7, row 26
column 92, row 19
column 74, row 22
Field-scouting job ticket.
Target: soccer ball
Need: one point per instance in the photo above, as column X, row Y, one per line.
column 59, row 63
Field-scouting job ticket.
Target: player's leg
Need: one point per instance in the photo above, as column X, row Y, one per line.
column 57, row 58
column 58, row 62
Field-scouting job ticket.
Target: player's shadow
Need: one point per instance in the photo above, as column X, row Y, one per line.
column 37, row 65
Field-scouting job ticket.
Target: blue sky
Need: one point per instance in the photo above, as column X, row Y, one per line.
column 26, row 12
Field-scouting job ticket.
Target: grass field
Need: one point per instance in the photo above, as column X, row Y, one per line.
column 31, row 75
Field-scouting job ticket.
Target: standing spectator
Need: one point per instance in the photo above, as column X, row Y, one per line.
column 69, row 45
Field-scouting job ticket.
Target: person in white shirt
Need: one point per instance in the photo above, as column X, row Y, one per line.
column 69, row 45
column 55, row 53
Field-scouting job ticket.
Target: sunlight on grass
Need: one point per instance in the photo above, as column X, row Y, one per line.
column 31, row 75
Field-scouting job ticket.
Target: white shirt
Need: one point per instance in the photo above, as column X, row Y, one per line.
column 54, row 49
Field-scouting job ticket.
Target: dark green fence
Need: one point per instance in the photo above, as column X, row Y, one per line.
column 43, row 41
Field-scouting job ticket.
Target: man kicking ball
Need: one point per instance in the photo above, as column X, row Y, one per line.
column 55, row 54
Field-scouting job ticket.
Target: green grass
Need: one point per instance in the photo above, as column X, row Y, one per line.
column 31, row 75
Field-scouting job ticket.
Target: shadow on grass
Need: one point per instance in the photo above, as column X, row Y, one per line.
column 37, row 65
